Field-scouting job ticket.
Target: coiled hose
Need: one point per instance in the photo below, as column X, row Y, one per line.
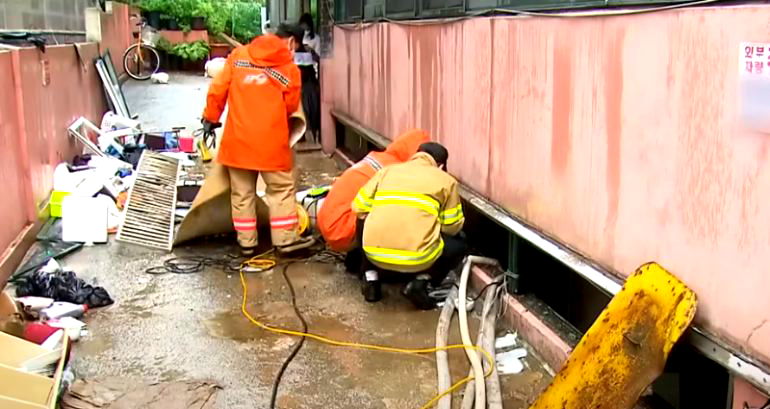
column 478, row 369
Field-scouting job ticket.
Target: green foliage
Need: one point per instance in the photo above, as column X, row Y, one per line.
column 245, row 23
column 154, row 5
column 217, row 17
column 182, row 11
column 203, row 8
column 163, row 44
column 191, row 51
column 238, row 18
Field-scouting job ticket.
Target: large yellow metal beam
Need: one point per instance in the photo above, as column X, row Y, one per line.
column 627, row 346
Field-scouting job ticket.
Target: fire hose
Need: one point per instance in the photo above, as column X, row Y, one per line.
column 476, row 392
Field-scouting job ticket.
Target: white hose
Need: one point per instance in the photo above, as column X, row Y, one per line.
column 478, row 369
column 442, row 359
column 494, row 392
column 489, row 300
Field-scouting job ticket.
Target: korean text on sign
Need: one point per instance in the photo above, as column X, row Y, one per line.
column 755, row 59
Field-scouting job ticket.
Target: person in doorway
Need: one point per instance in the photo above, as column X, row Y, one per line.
column 261, row 86
column 412, row 221
column 307, row 59
column 336, row 220
column 310, row 37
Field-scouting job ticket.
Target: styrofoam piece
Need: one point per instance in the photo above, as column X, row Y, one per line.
column 84, row 219
column 51, row 266
column 215, row 66
column 509, row 363
column 507, row 341
column 35, row 303
column 113, row 213
column 53, row 342
column 112, row 121
column 159, row 78
column 72, row 326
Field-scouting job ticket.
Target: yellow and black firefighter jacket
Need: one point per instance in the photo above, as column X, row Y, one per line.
column 407, row 207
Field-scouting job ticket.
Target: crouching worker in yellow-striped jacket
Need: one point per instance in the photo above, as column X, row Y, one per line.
column 410, row 220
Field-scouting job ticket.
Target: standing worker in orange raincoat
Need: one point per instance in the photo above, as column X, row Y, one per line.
column 336, row 220
column 261, row 86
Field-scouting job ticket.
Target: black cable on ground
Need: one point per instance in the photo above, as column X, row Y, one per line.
column 196, row 264
column 299, row 343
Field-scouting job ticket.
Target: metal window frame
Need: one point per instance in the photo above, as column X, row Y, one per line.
column 708, row 344
column 401, row 14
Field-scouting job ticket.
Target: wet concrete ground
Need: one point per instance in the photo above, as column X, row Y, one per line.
column 189, row 327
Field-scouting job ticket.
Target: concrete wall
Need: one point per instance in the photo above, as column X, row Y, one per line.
column 65, row 15
column 43, row 93
column 620, row 136
column 113, row 31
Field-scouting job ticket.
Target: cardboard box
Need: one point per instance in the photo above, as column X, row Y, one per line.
column 20, row 389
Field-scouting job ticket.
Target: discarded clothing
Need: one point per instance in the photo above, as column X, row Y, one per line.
column 63, row 286
column 117, row 393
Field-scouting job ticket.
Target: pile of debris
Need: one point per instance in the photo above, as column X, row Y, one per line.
column 36, row 329
column 123, row 182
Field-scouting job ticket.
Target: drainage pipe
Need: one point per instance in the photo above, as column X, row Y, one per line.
column 489, row 301
column 473, row 356
column 442, row 338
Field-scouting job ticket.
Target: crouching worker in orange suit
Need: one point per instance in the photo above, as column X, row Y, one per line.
column 261, row 85
column 336, row 220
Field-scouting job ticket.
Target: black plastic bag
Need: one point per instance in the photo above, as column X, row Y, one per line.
column 63, row 286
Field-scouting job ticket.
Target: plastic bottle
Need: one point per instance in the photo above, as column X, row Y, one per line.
column 63, row 309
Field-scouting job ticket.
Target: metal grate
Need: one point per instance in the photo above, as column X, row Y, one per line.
column 148, row 219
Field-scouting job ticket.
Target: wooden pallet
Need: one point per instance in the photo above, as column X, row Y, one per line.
column 148, row 219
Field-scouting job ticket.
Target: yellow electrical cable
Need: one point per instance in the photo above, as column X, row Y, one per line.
column 259, row 262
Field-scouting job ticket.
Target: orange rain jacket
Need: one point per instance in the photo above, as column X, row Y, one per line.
column 336, row 220
column 261, row 86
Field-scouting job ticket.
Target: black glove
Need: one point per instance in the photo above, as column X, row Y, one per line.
column 209, row 127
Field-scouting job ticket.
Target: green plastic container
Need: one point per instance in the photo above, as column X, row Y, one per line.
column 57, row 197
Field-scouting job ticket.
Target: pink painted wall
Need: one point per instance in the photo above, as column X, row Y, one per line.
column 43, row 93
column 745, row 395
column 619, row 136
column 13, row 206
column 35, row 117
column 73, row 91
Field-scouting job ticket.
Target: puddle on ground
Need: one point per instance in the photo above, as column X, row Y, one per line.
column 170, row 375
column 233, row 325
column 137, row 311
column 94, row 345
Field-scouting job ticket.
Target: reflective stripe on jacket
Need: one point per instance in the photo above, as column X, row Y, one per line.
column 408, row 207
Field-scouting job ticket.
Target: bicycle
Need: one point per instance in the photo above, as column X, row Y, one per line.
column 141, row 59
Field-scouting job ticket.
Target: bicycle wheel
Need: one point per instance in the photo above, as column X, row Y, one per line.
column 140, row 61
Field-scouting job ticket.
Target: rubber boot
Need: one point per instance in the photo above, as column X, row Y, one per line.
column 417, row 291
column 371, row 287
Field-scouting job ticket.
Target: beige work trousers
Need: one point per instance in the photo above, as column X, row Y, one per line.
column 281, row 200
